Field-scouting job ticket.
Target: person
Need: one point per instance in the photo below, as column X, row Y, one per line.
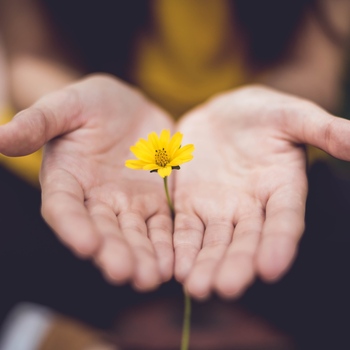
column 240, row 204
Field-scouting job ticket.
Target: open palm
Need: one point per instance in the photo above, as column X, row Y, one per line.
column 240, row 203
column 96, row 206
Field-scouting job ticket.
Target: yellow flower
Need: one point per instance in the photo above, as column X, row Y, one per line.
column 160, row 153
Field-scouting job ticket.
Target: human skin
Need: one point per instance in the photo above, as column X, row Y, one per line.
column 92, row 202
column 243, row 177
column 239, row 204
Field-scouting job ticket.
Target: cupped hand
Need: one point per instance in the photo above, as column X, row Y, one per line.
column 99, row 208
column 240, row 203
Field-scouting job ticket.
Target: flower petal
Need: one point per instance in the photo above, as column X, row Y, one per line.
column 145, row 145
column 164, row 139
column 154, row 140
column 180, row 160
column 186, row 150
column 163, row 172
column 142, row 155
column 151, row 166
column 134, row 164
column 175, row 144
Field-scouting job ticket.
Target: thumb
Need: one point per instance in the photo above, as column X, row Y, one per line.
column 55, row 114
column 314, row 126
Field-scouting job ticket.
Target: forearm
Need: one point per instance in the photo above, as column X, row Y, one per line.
column 323, row 89
column 32, row 77
column 315, row 66
column 36, row 62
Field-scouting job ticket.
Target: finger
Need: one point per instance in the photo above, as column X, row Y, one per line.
column 114, row 257
column 146, row 273
column 53, row 115
column 160, row 229
column 188, row 236
column 282, row 230
column 64, row 210
column 236, row 270
column 314, row 126
column 217, row 237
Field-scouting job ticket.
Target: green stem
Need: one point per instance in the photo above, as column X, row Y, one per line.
column 170, row 203
column 186, row 328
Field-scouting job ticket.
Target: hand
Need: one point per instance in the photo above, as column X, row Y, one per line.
column 99, row 208
column 240, row 203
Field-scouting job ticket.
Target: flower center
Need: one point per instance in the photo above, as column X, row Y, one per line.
column 161, row 157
